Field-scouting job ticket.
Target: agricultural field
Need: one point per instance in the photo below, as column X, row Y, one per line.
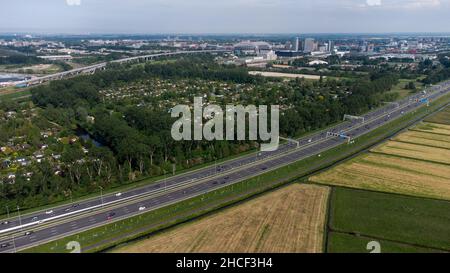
column 414, row 151
column 291, row 219
column 424, row 138
column 399, row 223
column 434, row 128
column 391, row 195
column 442, row 117
column 350, row 243
column 390, row 174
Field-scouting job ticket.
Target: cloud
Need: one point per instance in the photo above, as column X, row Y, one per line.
column 395, row 4
column 421, row 3
column 73, row 2
column 372, row 3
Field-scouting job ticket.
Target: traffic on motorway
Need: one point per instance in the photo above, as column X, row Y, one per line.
column 32, row 229
column 95, row 67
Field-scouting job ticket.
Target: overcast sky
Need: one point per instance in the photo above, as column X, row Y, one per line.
column 224, row 16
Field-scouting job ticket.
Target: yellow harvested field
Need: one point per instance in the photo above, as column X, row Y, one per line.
column 423, row 138
column 391, row 174
column 415, row 151
column 433, row 128
column 291, row 219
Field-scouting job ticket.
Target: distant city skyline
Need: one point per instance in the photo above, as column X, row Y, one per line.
column 224, row 17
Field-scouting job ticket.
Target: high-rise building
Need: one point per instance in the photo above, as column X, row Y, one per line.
column 310, row 45
column 330, row 46
column 297, row 44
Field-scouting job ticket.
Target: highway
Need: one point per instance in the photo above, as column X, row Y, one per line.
column 70, row 219
column 100, row 66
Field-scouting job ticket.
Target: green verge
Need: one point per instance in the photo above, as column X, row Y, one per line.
column 348, row 243
column 442, row 117
column 418, row 222
column 113, row 234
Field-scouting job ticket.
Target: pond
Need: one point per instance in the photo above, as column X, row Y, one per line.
column 83, row 134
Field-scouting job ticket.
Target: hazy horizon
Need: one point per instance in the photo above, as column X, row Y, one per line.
column 156, row 17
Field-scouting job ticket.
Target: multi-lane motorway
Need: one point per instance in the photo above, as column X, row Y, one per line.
column 33, row 229
column 100, row 66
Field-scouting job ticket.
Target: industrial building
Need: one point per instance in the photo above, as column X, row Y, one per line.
column 252, row 48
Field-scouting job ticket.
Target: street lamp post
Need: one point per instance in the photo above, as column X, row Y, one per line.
column 71, row 197
column 20, row 219
column 165, row 180
column 215, row 165
column 14, row 243
column 101, row 194
column 7, row 211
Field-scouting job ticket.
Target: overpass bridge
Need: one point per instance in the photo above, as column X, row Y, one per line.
column 91, row 69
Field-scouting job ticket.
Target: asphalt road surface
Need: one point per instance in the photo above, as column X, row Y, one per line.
column 33, row 229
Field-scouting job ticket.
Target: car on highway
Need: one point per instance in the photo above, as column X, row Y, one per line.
column 5, row 222
column 111, row 215
column 35, row 218
column 28, row 233
column 142, row 208
column 67, row 210
column 49, row 212
column 5, row 245
column 119, row 194
column 75, row 206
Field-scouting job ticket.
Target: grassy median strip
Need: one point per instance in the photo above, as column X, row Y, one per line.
column 101, row 238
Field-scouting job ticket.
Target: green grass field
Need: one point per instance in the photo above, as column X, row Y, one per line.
column 349, row 243
column 16, row 95
column 442, row 117
column 415, row 222
column 402, row 91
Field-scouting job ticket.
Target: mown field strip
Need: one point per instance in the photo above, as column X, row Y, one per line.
column 424, row 135
column 434, row 128
column 426, row 143
column 291, row 219
column 414, row 151
column 390, row 174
